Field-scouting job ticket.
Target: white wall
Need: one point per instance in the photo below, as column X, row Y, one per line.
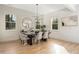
column 64, row 33
column 8, row 35
column 68, row 33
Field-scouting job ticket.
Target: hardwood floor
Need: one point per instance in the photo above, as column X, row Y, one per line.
column 52, row 46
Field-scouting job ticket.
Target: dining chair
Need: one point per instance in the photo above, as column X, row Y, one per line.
column 38, row 37
column 23, row 38
column 45, row 36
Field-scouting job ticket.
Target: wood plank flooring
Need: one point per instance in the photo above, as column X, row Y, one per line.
column 52, row 46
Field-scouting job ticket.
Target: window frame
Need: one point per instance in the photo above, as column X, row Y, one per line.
column 9, row 22
column 56, row 18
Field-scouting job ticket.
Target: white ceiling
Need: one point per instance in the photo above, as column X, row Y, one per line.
column 44, row 8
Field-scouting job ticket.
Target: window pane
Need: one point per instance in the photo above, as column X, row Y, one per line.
column 13, row 18
column 10, row 25
column 54, row 26
column 55, row 20
column 7, row 17
column 10, row 18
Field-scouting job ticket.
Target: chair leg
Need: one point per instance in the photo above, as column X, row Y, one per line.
column 25, row 42
column 38, row 41
column 21, row 41
column 34, row 41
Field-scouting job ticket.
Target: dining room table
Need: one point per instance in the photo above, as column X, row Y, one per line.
column 30, row 35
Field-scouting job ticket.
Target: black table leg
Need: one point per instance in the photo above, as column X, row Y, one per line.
column 29, row 41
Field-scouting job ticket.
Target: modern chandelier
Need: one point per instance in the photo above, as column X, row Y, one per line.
column 37, row 18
